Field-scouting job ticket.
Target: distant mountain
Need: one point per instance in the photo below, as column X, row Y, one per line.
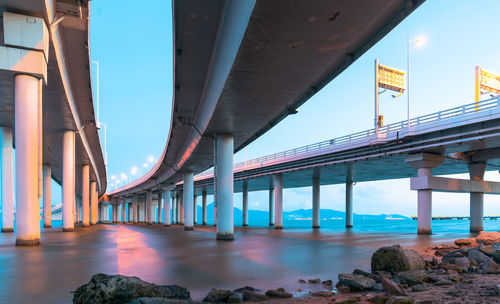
column 300, row 214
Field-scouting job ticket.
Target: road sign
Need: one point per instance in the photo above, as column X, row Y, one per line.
column 391, row 79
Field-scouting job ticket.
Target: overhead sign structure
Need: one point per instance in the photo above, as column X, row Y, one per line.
column 389, row 79
column 486, row 81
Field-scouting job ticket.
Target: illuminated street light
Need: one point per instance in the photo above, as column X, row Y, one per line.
column 151, row 159
column 113, row 177
column 419, row 41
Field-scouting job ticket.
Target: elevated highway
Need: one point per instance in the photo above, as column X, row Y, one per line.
column 47, row 114
column 240, row 67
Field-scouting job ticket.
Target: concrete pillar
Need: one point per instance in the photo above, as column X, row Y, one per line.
column 195, row 209
column 166, row 208
column 348, row 204
column 28, row 97
column 424, row 162
column 224, row 146
column 68, row 180
column 188, row 200
column 476, row 172
column 316, row 205
column 245, row 203
column 159, row 207
column 47, row 196
column 77, row 208
column 149, row 203
column 278, row 200
column 181, row 208
column 204, row 207
column 93, row 203
column 136, row 210
column 7, row 178
column 124, row 210
column 271, row 205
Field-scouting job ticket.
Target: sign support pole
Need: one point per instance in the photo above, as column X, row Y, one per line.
column 376, row 97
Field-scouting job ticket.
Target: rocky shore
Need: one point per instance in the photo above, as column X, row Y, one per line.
column 467, row 271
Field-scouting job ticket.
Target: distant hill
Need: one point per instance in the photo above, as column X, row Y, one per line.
column 300, row 214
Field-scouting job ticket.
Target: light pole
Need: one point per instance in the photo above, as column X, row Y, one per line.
column 97, row 122
column 419, row 41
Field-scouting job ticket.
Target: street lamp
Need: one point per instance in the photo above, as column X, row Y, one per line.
column 151, row 159
column 419, row 41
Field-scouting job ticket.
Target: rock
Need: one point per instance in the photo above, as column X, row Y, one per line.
column 443, row 282
column 342, row 288
column 253, row 296
column 378, row 299
column 465, row 242
column 324, row 294
column 392, row 289
column 314, row 281
column 157, row 300
column 383, row 273
column 496, row 256
column 248, row 288
column 278, row 293
column 419, row 288
column 104, row 288
column 463, row 263
column 378, row 287
column 450, row 257
column 497, row 289
column 367, row 274
column 488, row 237
column 396, row 259
column 351, row 300
column 448, row 266
column 487, row 250
column 400, row 300
column 327, row 282
column 413, row 277
column 486, row 264
column 217, row 295
column 356, row 281
column 465, row 250
column 234, row 298
column 302, row 281
column 496, row 246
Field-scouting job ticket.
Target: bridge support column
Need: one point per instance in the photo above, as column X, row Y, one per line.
column 149, row 206
column 271, row 205
column 424, row 162
column 195, row 209
column 245, row 203
column 47, row 198
column 188, row 200
column 476, row 172
column 278, row 199
column 85, row 195
column 7, row 179
column 124, row 210
column 166, row 208
column 181, row 208
column 28, row 98
column 68, row 180
column 93, row 203
column 159, row 206
column 349, row 182
column 316, row 201
column 224, row 147
column 204, row 207
column 136, row 209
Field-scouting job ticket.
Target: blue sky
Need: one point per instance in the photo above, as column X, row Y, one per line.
column 133, row 44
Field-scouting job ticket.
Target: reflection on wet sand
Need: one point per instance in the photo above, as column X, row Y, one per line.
column 261, row 257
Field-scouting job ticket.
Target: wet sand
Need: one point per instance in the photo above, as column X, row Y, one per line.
column 260, row 257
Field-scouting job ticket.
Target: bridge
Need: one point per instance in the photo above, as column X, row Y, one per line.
column 47, row 113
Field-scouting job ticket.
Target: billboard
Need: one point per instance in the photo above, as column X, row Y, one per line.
column 391, row 79
column 489, row 82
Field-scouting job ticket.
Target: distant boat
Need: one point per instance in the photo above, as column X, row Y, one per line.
column 389, row 217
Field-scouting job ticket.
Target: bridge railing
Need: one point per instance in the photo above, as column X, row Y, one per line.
column 468, row 109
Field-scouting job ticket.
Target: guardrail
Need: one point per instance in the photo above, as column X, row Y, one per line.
column 468, row 109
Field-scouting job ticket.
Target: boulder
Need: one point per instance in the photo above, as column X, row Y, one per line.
column 497, row 289
column 356, row 281
column 448, row 266
column 419, row 288
column 314, row 281
column 248, row 288
column 104, row 288
column 450, row 257
column 486, row 264
column 157, row 300
column 487, row 250
column 327, row 282
column 254, row 296
column 234, row 298
column 217, row 295
column 376, row 277
column 322, row 293
column 496, row 256
column 465, row 242
column 278, row 293
column 463, row 263
column 400, row 300
column 413, row 277
column 378, row 299
column 488, row 237
column 396, row 259
column 392, row 289
column 496, row 246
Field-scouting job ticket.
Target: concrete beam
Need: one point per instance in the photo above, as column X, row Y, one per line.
column 445, row 184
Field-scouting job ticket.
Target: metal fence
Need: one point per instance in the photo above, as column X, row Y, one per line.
column 468, row 109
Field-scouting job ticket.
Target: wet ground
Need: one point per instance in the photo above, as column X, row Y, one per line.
column 261, row 257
